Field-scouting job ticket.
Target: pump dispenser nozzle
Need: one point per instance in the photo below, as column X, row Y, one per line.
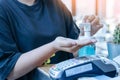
column 87, row 29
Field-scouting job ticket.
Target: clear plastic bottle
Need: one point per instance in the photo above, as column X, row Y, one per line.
column 89, row 49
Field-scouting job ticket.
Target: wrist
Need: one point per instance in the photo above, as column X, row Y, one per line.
column 53, row 46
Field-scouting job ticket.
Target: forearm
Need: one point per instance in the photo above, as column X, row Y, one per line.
column 30, row 60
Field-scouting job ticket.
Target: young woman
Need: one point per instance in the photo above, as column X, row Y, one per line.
column 29, row 31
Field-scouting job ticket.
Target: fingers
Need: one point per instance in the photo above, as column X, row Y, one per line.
column 88, row 18
column 85, row 19
column 99, row 26
column 84, row 42
column 95, row 28
column 91, row 18
column 71, row 45
column 95, row 21
column 80, row 43
column 66, row 42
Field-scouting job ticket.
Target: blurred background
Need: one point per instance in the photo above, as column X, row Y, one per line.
column 107, row 10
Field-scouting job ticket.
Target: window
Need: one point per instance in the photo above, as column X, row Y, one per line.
column 112, row 8
column 82, row 7
column 107, row 9
column 85, row 7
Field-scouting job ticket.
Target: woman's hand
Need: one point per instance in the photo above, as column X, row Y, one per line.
column 70, row 45
column 95, row 23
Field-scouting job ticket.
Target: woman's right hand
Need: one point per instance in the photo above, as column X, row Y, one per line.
column 70, row 45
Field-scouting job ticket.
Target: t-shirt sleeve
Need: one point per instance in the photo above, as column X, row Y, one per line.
column 9, row 53
column 72, row 29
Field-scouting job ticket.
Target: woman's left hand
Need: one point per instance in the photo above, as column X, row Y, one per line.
column 95, row 23
column 70, row 45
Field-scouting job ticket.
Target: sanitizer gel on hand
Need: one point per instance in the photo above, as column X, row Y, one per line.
column 89, row 49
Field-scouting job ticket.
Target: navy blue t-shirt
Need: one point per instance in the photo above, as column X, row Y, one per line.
column 23, row 28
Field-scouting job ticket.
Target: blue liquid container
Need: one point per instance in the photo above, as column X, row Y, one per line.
column 87, row 50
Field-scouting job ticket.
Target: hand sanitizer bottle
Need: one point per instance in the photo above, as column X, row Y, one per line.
column 89, row 49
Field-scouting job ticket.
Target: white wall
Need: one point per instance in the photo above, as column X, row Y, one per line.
column 85, row 7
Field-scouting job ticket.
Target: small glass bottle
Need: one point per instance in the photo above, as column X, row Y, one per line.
column 89, row 49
